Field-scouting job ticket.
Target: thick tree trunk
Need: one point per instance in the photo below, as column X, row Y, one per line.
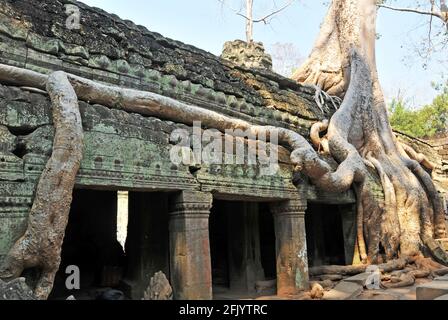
column 359, row 137
column 40, row 246
column 410, row 215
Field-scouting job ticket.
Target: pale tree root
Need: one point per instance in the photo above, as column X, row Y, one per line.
column 321, row 144
column 353, row 270
column 351, row 170
column 412, row 215
column 419, row 157
column 395, row 274
column 150, row 104
column 40, row 246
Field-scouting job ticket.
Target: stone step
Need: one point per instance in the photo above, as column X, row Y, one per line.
column 432, row 290
column 344, row 291
column 359, row 279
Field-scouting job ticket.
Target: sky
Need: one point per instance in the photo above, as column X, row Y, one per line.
column 207, row 24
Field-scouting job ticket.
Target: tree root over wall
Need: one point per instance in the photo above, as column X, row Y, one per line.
column 40, row 246
column 359, row 137
column 410, row 216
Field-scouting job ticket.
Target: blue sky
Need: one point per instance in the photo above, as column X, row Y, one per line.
column 205, row 24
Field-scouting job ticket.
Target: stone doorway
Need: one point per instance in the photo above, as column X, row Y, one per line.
column 242, row 246
column 110, row 255
column 91, row 244
column 330, row 234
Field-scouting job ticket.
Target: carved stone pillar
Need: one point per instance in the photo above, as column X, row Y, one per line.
column 292, row 261
column 190, row 261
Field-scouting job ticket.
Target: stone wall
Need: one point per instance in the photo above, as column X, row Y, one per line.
column 33, row 35
column 437, row 152
column 125, row 151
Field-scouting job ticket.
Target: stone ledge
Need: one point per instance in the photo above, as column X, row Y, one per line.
column 432, row 290
column 344, row 291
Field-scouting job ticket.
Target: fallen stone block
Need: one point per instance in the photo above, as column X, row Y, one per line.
column 359, row 279
column 432, row 290
column 344, row 291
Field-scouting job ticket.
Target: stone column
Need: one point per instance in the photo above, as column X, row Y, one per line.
column 191, row 276
column 292, row 260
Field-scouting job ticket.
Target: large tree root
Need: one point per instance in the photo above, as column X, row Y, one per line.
column 357, row 269
column 410, row 215
column 359, row 138
column 40, row 246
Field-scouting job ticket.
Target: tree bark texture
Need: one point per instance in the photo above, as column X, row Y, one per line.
column 40, row 246
column 410, row 215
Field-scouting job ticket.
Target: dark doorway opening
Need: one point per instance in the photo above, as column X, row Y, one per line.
column 91, row 244
column 147, row 243
column 242, row 245
column 267, row 242
column 325, row 235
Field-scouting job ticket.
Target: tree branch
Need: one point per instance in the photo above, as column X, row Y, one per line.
column 437, row 14
column 275, row 12
column 263, row 19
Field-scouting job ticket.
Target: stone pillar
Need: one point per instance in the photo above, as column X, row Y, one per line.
column 191, row 276
column 292, row 260
column 245, row 267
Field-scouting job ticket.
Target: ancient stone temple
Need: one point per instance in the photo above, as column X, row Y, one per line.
column 209, row 227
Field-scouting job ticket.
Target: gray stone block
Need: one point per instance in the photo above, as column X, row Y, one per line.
column 432, row 290
column 359, row 279
column 344, row 291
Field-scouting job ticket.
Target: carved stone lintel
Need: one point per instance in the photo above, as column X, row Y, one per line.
column 191, row 204
column 289, row 207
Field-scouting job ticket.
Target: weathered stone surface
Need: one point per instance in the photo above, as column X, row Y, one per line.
column 159, row 288
column 432, row 290
column 442, row 298
column 16, row 290
column 292, row 257
column 126, row 151
column 132, row 56
column 266, row 287
column 359, row 279
column 248, row 55
column 191, row 274
column 435, row 151
column 344, row 291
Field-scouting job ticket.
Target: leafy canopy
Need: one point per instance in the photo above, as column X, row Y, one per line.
column 427, row 122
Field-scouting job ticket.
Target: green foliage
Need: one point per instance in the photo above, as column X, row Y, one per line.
column 427, row 122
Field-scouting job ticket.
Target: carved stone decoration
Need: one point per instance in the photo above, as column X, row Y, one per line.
column 159, row 288
column 248, row 55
